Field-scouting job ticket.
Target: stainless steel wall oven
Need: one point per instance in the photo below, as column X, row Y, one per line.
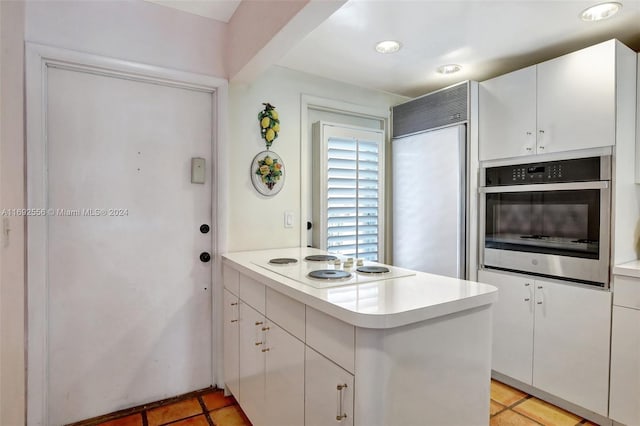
column 550, row 219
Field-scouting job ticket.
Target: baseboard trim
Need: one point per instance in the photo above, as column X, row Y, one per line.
column 573, row 408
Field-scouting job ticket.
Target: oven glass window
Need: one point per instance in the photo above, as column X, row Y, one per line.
column 565, row 223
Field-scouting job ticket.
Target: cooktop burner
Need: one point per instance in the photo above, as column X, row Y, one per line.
column 329, row 274
column 373, row 270
column 283, row 261
column 320, row 258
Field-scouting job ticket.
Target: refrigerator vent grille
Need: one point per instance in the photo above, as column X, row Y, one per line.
column 441, row 108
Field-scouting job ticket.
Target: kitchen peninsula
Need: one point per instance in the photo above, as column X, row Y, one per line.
column 371, row 345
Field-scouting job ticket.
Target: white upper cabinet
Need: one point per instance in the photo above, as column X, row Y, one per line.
column 565, row 104
column 577, row 100
column 508, row 115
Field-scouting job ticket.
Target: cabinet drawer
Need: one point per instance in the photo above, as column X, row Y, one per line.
column 332, row 338
column 626, row 292
column 252, row 293
column 286, row 312
column 231, row 279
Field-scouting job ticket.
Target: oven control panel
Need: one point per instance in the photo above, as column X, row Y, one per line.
column 578, row 170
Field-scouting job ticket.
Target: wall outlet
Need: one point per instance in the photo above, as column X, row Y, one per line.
column 288, row 219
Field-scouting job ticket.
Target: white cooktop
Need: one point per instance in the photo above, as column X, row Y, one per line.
column 299, row 271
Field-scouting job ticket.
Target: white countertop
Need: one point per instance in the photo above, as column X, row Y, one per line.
column 384, row 303
column 629, row 269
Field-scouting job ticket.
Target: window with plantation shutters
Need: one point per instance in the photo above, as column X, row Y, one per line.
column 348, row 190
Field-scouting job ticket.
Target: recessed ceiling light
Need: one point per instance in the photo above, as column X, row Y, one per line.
column 388, row 46
column 449, row 68
column 600, row 11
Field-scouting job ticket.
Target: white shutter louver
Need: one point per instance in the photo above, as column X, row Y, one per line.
column 351, row 189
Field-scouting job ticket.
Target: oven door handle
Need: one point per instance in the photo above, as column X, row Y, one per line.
column 569, row 186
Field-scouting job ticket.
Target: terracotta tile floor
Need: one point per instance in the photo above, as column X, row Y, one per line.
column 209, row 407
column 511, row 407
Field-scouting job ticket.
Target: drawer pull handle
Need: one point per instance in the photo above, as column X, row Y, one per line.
column 341, row 415
column 258, row 343
column 234, row 320
column 259, row 322
column 234, row 304
column 265, row 328
column 526, row 299
column 265, row 350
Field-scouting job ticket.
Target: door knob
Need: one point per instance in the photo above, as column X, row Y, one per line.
column 205, row 257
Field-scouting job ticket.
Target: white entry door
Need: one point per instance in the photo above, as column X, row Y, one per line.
column 129, row 299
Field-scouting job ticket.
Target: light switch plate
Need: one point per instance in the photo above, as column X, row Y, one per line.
column 288, row 219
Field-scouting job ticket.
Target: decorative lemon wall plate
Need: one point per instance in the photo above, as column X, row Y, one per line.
column 267, row 173
column 269, row 124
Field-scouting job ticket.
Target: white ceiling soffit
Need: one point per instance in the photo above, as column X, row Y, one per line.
column 487, row 38
column 220, row 10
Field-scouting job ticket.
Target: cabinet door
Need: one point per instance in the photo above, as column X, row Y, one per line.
column 284, row 378
column 576, row 100
column 512, row 325
column 625, row 366
column 231, row 333
column 252, row 364
column 507, row 115
column 571, row 343
column 327, row 400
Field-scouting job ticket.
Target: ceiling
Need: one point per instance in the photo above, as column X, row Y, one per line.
column 220, row 10
column 487, row 38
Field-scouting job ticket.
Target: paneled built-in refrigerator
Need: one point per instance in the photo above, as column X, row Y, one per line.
column 429, row 174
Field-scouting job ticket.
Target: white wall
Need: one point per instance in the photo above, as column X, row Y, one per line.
column 626, row 193
column 132, row 30
column 257, row 222
column 12, row 279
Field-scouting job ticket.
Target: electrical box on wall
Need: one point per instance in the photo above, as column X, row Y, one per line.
column 197, row 170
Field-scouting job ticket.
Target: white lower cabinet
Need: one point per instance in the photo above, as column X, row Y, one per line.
column 297, row 364
column 571, row 344
column 512, row 325
column 625, row 352
column 328, row 392
column 271, row 371
column 284, row 380
column 553, row 336
column 252, row 364
column 231, row 333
